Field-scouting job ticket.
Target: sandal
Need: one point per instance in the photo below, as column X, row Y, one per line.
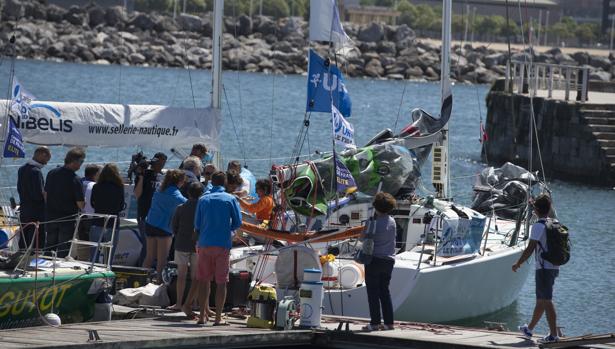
column 370, row 328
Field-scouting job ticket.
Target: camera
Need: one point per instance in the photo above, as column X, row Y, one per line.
column 138, row 164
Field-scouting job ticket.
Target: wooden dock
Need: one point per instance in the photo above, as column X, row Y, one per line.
column 174, row 331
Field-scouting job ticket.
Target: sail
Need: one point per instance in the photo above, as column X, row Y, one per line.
column 118, row 125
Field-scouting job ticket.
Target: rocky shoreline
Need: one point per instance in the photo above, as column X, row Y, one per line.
column 110, row 36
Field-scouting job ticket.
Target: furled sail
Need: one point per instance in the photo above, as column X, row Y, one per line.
column 118, row 125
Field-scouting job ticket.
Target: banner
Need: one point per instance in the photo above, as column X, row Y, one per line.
column 345, row 181
column 325, row 86
column 325, row 24
column 343, row 132
column 20, row 100
column 13, row 147
column 118, row 125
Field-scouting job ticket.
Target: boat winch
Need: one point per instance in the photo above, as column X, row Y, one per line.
column 285, row 314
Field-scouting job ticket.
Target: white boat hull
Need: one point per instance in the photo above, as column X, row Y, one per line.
column 442, row 293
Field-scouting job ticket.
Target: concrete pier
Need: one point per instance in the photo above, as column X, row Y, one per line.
column 576, row 139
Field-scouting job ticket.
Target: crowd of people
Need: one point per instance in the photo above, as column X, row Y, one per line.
column 188, row 214
column 193, row 212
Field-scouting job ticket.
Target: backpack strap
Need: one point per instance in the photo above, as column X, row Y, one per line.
column 544, row 222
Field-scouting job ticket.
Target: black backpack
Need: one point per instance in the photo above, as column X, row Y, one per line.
column 558, row 243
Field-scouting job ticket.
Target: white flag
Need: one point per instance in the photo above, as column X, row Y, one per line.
column 20, row 100
column 325, row 24
column 343, row 132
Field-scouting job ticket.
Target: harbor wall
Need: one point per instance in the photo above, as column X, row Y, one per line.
column 573, row 147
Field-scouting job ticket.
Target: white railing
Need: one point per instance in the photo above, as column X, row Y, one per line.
column 526, row 78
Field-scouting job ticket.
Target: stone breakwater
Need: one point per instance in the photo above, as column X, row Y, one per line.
column 110, row 36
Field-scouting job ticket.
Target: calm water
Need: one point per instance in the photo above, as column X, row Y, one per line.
column 266, row 112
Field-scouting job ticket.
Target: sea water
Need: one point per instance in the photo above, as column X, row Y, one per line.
column 262, row 117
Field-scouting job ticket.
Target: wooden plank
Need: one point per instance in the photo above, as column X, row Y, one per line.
column 580, row 340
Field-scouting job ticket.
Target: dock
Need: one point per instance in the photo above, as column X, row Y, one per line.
column 175, row 331
column 573, row 115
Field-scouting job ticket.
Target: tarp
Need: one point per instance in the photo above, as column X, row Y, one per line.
column 118, row 125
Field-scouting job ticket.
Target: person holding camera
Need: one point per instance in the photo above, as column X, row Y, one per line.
column 148, row 174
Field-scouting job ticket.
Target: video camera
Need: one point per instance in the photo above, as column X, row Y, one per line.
column 139, row 163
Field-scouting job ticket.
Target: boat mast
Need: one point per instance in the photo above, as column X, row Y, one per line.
column 440, row 164
column 216, row 62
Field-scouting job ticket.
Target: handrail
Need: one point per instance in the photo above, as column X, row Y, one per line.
column 528, row 78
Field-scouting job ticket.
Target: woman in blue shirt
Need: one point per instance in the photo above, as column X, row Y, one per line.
column 158, row 221
column 378, row 271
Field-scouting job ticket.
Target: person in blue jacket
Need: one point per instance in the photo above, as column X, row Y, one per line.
column 158, row 221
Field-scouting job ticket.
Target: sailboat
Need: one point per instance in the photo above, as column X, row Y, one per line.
column 33, row 285
column 452, row 262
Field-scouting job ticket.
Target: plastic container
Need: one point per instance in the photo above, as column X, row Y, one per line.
column 310, row 298
column 312, row 275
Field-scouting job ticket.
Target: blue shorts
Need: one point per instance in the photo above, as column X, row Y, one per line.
column 545, row 278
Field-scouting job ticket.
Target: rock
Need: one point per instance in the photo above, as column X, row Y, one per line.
column 521, row 57
column 414, row 72
column 266, row 64
column 554, row 51
column 55, row 13
column 374, row 68
column 136, row 58
column 115, row 15
column 244, row 25
column 387, row 47
column 600, row 62
column 142, row 21
column 582, row 58
column 190, row 22
column 101, row 62
column 484, row 76
column 164, row 24
column 292, row 25
column 428, row 59
column 264, row 25
column 431, row 75
column 395, row 76
column 283, row 46
column 96, row 16
column 494, row 59
column 75, row 15
column 35, row 11
column 128, row 37
column 404, row 33
column 600, row 75
column 85, row 54
column 56, row 49
column 12, row 10
column 372, row 33
column 562, row 58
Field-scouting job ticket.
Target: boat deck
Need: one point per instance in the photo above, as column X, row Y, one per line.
column 174, row 331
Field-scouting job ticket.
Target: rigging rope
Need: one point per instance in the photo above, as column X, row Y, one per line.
column 239, row 143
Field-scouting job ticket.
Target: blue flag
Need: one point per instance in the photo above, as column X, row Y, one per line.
column 344, row 179
column 326, row 86
column 13, row 147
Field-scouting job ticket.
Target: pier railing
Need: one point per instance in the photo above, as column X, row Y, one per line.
column 525, row 78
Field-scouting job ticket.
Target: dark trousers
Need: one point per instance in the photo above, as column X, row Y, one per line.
column 59, row 236
column 27, row 232
column 377, row 279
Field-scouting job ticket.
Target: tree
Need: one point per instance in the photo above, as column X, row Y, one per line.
column 586, row 33
column 153, row 5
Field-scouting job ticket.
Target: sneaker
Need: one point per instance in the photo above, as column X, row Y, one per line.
column 549, row 339
column 526, row 331
column 370, row 328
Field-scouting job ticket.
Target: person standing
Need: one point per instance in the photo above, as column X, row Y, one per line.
column 185, row 248
column 193, row 167
column 64, row 199
column 546, row 272
column 107, row 198
column 89, row 179
column 146, row 183
column 248, row 184
column 378, row 271
column 31, row 189
column 198, row 150
column 217, row 216
column 158, row 220
column 208, row 170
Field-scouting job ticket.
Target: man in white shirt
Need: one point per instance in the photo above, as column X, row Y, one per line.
column 545, row 272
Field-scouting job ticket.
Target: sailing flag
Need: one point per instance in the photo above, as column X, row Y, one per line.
column 13, row 147
column 325, row 87
column 325, row 24
column 343, row 132
column 345, row 182
column 20, row 100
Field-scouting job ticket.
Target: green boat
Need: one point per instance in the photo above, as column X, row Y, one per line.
column 71, row 294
